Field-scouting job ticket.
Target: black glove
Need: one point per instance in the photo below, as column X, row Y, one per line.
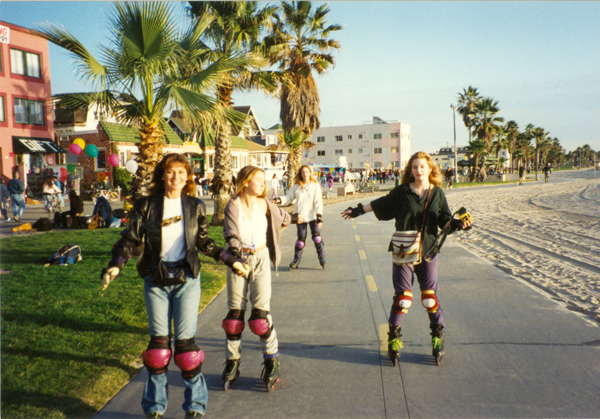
column 356, row 211
column 320, row 218
column 237, row 264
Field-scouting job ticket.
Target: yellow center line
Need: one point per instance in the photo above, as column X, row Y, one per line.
column 371, row 283
column 357, row 237
column 362, row 254
column 354, row 226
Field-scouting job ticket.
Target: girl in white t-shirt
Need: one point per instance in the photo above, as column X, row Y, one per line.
column 309, row 205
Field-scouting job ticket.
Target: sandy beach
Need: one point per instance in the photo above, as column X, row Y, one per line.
column 547, row 234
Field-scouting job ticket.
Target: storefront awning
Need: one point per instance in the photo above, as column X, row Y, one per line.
column 29, row 145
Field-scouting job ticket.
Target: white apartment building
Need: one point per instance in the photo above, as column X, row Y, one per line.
column 377, row 145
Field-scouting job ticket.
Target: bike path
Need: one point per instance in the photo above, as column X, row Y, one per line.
column 511, row 351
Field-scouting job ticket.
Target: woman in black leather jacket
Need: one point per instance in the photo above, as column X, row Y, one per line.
column 171, row 226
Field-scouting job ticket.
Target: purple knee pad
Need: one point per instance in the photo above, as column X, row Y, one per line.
column 233, row 326
column 156, row 360
column 259, row 326
column 299, row 244
column 317, row 239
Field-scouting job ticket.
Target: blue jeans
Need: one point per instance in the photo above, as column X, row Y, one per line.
column 18, row 204
column 178, row 303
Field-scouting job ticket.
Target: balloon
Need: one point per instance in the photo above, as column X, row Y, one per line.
column 75, row 149
column 91, row 150
column 131, row 166
column 114, row 160
column 79, row 142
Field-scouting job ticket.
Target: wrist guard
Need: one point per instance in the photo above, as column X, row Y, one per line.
column 356, row 211
column 320, row 218
column 118, row 262
column 229, row 259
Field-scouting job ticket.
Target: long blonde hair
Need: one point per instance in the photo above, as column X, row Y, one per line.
column 435, row 174
column 299, row 175
column 245, row 175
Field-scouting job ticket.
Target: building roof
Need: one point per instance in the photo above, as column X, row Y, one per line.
column 236, row 142
column 178, row 119
column 123, row 134
column 276, row 126
column 252, row 146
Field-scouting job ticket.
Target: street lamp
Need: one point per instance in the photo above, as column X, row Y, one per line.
column 455, row 151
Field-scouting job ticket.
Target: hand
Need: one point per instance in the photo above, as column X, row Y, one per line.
column 300, row 220
column 108, row 275
column 320, row 225
column 353, row 212
column 277, row 201
column 240, row 268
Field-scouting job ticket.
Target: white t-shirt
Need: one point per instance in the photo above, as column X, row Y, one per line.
column 173, row 235
column 253, row 232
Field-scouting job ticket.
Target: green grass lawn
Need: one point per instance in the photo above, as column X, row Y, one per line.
column 67, row 346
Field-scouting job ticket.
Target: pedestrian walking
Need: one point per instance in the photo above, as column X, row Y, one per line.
column 16, row 189
column 521, row 175
column 274, row 186
column 171, row 226
column 307, row 195
column 50, row 191
column 59, row 194
column 251, row 228
column 419, row 208
column 4, row 200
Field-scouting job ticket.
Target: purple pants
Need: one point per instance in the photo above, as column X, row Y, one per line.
column 402, row 277
column 315, row 231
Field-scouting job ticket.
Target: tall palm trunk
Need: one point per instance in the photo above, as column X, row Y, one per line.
column 150, row 152
column 295, row 163
column 537, row 159
column 222, row 182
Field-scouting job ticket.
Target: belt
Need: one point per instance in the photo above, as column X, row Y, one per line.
column 253, row 251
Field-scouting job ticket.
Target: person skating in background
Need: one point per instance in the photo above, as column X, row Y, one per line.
column 251, row 229
column 275, row 186
column 521, row 175
column 419, row 193
column 171, row 225
column 16, row 189
column 547, row 170
column 307, row 194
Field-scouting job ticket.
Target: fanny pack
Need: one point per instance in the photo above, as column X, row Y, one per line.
column 406, row 245
column 174, row 273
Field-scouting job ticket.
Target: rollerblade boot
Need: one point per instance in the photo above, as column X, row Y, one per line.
column 437, row 342
column 231, row 372
column 270, row 372
column 394, row 343
column 322, row 262
column 295, row 263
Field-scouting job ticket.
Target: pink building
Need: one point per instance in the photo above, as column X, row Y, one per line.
column 26, row 117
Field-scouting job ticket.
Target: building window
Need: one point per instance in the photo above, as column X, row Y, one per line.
column 339, row 152
column 377, row 151
column 2, row 112
column 349, row 136
column 397, row 163
column 339, row 137
column 360, row 151
column 29, row 112
column 100, row 160
column 393, row 149
column 320, row 139
column 395, row 135
column 320, row 152
column 234, row 162
column 377, row 136
column 360, row 136
column 349, row 151
column 25, row 63
column 377, row 165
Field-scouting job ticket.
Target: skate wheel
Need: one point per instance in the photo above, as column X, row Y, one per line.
column 226, row 385
column 271, row 385
column 438, row 359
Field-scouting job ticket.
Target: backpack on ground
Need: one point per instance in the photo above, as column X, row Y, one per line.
column 68, row 254
column 43, row 224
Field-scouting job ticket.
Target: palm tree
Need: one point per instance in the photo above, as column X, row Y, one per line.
column 237, row 30
column 291, row 141
column 303, row 35
column 466, row 106
column 539, row 136
column 150, row 68
column 486, row 120
column 511, row 132
column 476, row 148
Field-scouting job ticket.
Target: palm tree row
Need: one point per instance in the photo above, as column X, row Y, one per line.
column 157, row 63
column 533, row 145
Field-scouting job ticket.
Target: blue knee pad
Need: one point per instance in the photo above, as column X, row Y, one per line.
column 317, row 238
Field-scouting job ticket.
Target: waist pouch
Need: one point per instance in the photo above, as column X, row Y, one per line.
column 173, row 273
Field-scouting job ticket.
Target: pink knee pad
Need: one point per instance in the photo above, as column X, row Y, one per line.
column 299, row 244
column 233, row 326
column 317, row 239
column 259, row 326
column 188, row 361
column 156, row 360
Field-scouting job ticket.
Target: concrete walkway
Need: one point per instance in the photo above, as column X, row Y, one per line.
column 511, row 351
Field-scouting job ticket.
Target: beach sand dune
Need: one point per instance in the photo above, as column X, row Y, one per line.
column 547, row 234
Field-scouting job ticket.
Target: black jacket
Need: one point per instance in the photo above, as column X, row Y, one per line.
column 145, row 229
column 405, row 206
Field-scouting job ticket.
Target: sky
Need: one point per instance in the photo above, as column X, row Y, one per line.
column 408, row 61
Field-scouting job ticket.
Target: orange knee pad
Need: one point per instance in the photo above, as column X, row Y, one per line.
column 403, row 302
column 430, row 301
